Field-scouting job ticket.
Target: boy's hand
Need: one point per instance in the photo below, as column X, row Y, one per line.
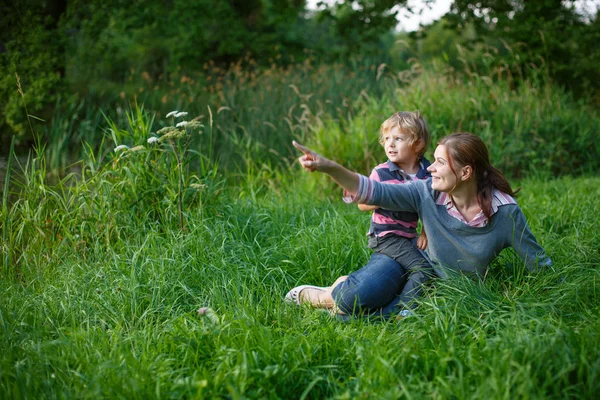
column 311, row 160
column 366, row 207
column 422, row 241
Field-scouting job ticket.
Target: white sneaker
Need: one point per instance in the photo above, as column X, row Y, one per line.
column 293, row 296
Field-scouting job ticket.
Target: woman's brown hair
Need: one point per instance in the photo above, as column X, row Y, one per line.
column 464, row 149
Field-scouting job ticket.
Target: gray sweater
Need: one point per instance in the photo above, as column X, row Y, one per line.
column 453, row 245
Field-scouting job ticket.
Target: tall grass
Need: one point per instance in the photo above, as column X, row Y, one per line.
column 251, row 107
column 529, row 128
column 530, row 125
column 101, row 281
column 113, row 314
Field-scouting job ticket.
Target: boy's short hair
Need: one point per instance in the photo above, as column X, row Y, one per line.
column 410, row 122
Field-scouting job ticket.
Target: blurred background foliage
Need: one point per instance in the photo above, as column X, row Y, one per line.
column 79, row 61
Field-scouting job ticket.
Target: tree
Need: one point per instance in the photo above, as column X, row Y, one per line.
column 360, row 24
column 30, row 48
column 549, row 35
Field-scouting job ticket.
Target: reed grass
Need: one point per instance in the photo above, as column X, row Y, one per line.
column 531, row 126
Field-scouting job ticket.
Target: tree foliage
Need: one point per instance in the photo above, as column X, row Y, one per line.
column 362, row 20
column 29, row 48
column 70, row 48
column 79, row 46
column 548, row 34
column 94, row 46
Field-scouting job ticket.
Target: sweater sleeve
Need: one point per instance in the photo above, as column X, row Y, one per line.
column 526, row 245
column 391, row 197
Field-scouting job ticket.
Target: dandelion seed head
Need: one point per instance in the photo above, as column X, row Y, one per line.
column 182, row 123
column 121, row 147
column 181, row 114
column 152, row 140
column 172, row 113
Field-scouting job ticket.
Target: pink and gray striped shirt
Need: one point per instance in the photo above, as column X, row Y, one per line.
column 498, row 199
column 401, row 223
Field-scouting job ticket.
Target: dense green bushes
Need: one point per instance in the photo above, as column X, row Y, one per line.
column 555, row 36
column 531, row 127
column 31, row 51
column 92, row 49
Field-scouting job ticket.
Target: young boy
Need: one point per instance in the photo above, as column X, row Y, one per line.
column 405, row 138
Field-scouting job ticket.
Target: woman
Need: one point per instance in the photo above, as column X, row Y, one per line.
column 466, row 208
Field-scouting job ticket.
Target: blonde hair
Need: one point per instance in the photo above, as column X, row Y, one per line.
column 410, row 122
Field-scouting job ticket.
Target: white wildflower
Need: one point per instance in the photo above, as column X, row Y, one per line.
column 182, row 123
column 181, row 114
column 152, row 139
column 172, row 134
column 195, row 125
column 121, row 147
column 172, row 113
column 166, row 129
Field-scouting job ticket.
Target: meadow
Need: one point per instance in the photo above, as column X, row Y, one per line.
column 107, row 261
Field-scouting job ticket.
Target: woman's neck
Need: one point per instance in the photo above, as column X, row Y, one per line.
column 465, row 200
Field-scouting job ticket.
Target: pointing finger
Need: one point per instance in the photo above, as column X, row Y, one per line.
column 303, row 149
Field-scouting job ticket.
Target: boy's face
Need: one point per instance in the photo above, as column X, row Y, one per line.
column 397, row 147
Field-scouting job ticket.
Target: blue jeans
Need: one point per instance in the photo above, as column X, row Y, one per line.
column 374, row 290
column 405, row 252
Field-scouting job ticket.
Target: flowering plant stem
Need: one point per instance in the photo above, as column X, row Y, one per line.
column 180, row 191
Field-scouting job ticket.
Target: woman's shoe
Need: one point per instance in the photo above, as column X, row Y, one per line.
column 293, row 296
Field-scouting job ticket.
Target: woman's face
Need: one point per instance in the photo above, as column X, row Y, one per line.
column 443, row 178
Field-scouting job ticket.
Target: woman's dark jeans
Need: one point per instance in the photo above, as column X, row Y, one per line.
column 376, row 290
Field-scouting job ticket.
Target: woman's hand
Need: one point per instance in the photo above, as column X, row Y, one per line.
column 311, row 160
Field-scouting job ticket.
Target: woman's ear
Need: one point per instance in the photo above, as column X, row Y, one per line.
column 466, row 172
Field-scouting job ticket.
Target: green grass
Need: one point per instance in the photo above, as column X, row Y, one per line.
column 104, row 266
column 115, row 316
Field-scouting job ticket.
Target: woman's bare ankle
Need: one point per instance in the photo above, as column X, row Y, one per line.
column 317, row 298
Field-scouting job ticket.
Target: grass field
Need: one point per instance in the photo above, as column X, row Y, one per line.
column 103, row 271
column 116, row 317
